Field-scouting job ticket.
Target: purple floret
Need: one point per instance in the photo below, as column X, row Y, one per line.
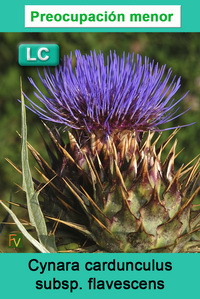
column 108, row 93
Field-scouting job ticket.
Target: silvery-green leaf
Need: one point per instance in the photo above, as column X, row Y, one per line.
column 35, row 243
column 35, row 213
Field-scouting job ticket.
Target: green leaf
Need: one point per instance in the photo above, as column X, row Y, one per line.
column 35, row 213
column 35, row 243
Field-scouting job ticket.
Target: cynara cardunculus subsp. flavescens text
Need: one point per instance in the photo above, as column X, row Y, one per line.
column 108, row 183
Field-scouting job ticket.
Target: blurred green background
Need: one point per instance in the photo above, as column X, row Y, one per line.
column 179, row 51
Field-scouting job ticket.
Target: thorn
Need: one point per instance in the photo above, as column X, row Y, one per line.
column 118, row 172
column 92, row 202
column 176, row 176
column 192, row 173
column 170, row 138
column 13, row 165
column 190, row 200
column 73, row 142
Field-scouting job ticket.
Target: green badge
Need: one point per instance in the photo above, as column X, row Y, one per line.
column 38, row 54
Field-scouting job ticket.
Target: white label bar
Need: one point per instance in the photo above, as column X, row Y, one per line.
column 102, row 16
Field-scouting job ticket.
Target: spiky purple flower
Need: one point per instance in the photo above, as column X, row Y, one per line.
column 108, row 93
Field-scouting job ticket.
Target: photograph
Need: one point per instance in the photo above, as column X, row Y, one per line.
column 100, row 153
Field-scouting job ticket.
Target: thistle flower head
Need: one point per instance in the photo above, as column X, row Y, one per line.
column 108, row 94
column 112, row 185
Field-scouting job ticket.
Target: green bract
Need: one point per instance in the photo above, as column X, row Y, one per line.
column 120, row 194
